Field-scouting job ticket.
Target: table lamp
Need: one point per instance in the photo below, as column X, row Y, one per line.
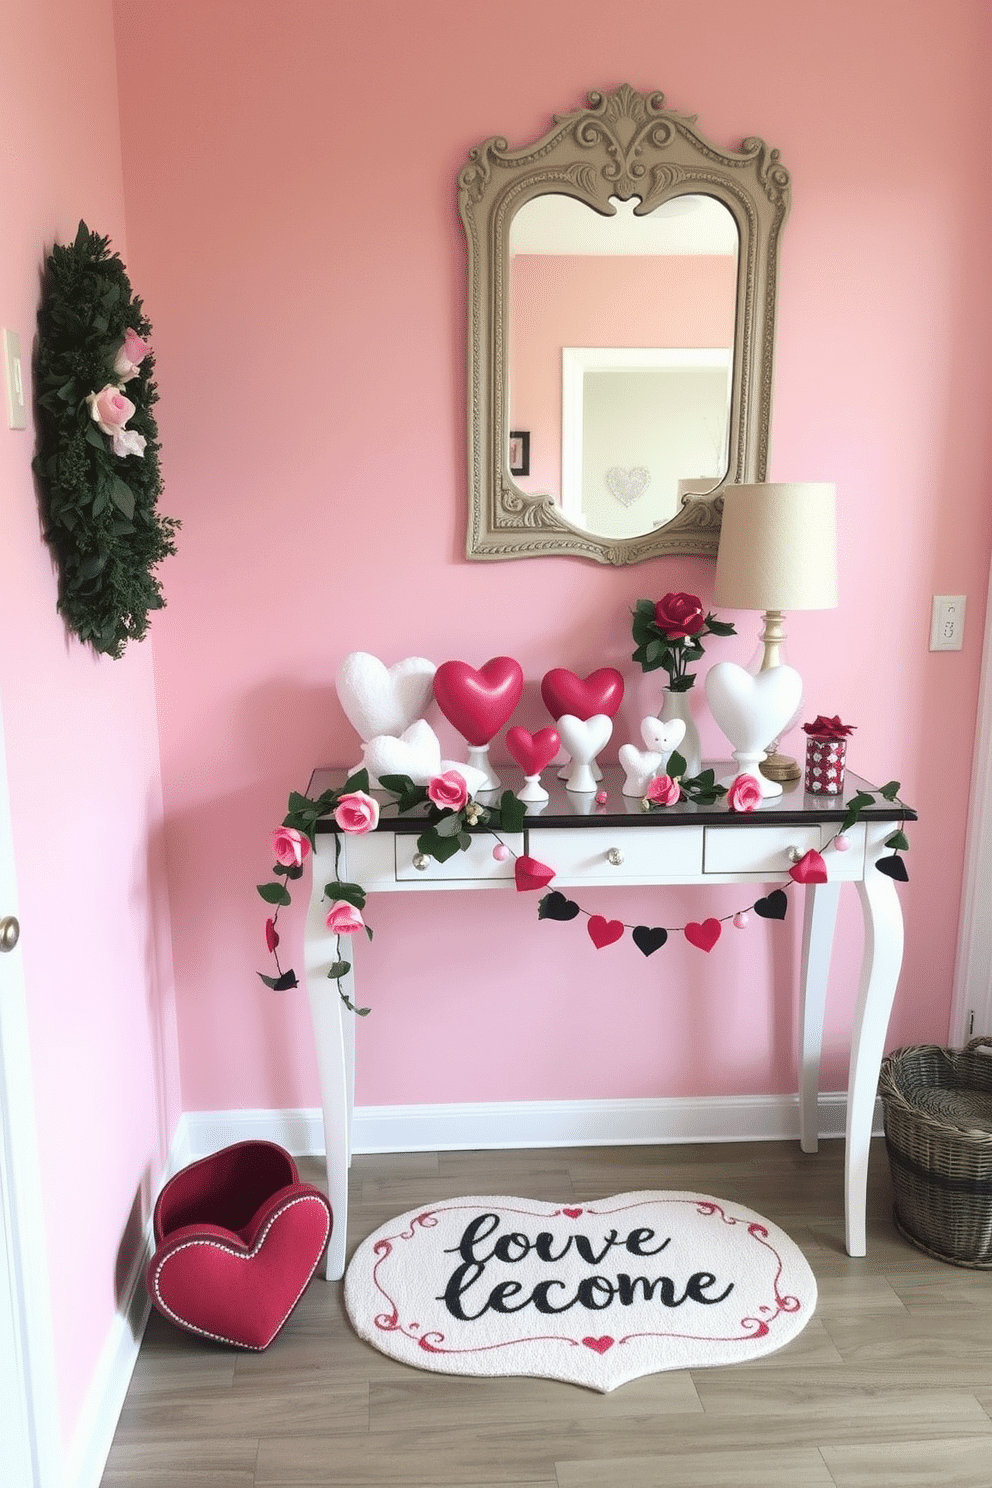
column 778, row 552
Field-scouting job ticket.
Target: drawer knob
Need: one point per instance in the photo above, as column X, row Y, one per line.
column 421, row 861
column 615, row 856
column 793, row 855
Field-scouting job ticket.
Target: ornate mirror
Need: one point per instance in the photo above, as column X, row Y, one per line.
column 622, row 274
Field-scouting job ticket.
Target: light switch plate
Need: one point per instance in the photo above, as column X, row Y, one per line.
column 17, row 412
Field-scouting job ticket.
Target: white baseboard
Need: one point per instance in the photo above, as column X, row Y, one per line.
column 471, row 1125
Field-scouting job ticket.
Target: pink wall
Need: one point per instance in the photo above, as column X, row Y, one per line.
column 290, row 186
column 588, row 300
column 81, row 743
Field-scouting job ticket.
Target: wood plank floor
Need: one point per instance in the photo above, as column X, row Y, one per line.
column 889, row 1386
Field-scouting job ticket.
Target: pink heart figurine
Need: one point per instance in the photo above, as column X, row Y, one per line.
column 478, row 703
column 600, row 692
column 532, row 751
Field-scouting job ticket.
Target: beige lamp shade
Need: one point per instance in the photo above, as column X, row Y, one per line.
column 778, row 547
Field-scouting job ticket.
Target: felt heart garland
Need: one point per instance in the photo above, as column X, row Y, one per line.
column 811, row 869
column 704, row 935
column 648, row 939
column 528, row 873
column 775, row 907
column 555, row 906
column 604, row 932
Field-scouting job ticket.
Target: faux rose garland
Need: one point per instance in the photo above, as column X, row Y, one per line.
column 451, row 814
column 97, row 462
column 668, row 634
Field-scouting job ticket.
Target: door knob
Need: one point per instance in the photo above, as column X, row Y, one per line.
column 10, row 932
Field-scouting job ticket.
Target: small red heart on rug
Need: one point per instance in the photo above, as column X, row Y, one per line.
column 239, row 1291
column 572, row 1213
column 528, row 873
column 704, row 935
column 532, row 751
column 811, row 869
column 601, row 692
column 603, row 932
column 599, row 1345
column 478, row 703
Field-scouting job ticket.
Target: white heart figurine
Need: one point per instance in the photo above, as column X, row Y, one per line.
column 383, row 700
column 416, row 752
column 752, row 710
column 583, row 738
column 662, row 737
column 639, row 767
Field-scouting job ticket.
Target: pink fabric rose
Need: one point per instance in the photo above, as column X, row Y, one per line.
column 744, row 794
column 131, row 355
column 828, row 728
column 357, row 813
column 290, row 847
column 448, row 789
column 110, row 411
column 664, row 791
column 344, row 919
column 679, row 615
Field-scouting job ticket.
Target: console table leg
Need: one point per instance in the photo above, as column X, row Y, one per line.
column 819, row 920
column 879, row 975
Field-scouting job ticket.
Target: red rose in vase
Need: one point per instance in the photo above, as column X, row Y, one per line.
column 679, row 615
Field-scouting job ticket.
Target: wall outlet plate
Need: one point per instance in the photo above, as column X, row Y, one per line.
column 17, row 412
column 947, row 622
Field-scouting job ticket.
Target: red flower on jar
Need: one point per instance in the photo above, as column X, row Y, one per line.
column 744, row 794
column 823, row 727
column 679, row 615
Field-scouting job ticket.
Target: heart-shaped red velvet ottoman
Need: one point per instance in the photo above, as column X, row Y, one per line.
column 238, row 1239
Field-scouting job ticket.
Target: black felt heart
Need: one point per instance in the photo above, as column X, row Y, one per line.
column 555, row 906
column 775, row 907
column 893, row 867
column 648, row 939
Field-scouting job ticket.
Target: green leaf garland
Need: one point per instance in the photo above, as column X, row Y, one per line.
column 99, row 508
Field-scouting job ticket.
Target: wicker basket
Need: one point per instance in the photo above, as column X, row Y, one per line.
column 938, row 1133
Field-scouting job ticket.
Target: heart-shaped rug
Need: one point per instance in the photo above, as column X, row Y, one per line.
column 563, row 692
column 594, row 1294
column 478, row 703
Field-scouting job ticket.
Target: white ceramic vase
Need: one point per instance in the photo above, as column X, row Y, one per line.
column 676, row 705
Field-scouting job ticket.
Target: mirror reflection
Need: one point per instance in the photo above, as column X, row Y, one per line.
column 621, row 334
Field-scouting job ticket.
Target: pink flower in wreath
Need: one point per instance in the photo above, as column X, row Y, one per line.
column 664, row 791
column 110, row 411
column 290, row 847
column 744, row 794
column 357, row 813
column 449, row 790
column 344, row 919
column 131, row 354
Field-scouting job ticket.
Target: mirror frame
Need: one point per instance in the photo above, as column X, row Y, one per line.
column 623, row 144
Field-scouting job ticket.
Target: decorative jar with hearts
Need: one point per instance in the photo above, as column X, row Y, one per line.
column 825, row 763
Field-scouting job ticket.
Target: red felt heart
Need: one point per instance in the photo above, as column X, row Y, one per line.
column 532, row 751
column 811, row 869
column 528, row 873
column 603, row 932
column 240, row 1287
column 599, row 1345
column 705, row 936
column 601, row 692
column 478, row 703
column 572, row 1213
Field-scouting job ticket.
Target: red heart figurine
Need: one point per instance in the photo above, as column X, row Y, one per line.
column 478, row 703
column 601, row 692
column 533, row 751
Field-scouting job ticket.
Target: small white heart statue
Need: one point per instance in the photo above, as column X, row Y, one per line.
column 641, row 767
column 379, row 700
column 583, row 738
column 753, row 710
column 417, row 753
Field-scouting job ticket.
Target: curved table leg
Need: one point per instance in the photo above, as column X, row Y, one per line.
column 879, row 975
column 819, row 919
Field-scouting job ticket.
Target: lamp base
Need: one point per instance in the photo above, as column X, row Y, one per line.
column 780, row 767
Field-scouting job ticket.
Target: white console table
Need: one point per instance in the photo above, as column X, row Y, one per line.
column 619, row 844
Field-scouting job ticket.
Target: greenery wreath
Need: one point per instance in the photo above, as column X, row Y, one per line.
column 97, row 463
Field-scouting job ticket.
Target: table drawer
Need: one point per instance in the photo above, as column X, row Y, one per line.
column 758, row 850
column 476, row 864
column 612, row 854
